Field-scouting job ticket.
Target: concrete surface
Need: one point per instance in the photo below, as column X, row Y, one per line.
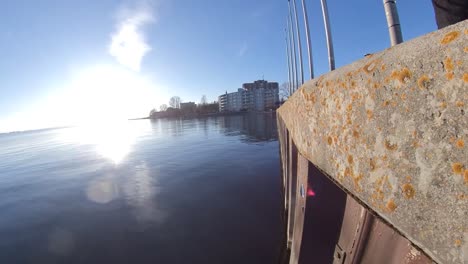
column 391, row 129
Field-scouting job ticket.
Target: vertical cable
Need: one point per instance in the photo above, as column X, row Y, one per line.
column 326, row 21
column 309, row 43
column 299, row 45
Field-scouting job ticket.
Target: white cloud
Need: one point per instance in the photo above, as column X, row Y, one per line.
column 128, row 43
column 243, row 49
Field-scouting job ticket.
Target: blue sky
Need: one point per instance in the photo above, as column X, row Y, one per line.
column 57, row 61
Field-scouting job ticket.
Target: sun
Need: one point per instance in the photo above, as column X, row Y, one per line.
column 99, row 102
column 107, row 93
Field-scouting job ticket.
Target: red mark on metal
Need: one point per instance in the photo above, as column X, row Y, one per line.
column 310, row 192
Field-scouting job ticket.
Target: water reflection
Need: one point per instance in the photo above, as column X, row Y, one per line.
column 255, row 127
column 249, row 127
column 142, row 190
column 111, row 140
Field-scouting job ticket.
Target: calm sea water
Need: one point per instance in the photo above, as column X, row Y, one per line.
column 162, row 191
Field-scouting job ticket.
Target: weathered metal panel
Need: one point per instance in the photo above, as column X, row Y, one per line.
column 391, row 129
column 366, row 239
column 292, row 181
column 301, row 195
column 325, row 205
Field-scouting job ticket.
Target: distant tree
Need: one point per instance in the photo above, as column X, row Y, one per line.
column 203, row 100
column 284, row 92
column 152, row 112
column 163, row 107
column 175, row 101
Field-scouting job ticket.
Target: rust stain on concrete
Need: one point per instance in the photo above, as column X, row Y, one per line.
column 371, row 66
column 448, row 64
column 403, row 76
column 460, row 143
column 408, row 190
column 457, row 168
column 449, row 37
column 423, row 82
column 390, row 146
column 391, row 206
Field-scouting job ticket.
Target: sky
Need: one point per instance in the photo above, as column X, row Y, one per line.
column 77, row 61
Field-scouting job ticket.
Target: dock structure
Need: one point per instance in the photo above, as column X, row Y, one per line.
column 374, row 157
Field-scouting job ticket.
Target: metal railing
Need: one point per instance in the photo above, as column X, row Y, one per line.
column 293, row 38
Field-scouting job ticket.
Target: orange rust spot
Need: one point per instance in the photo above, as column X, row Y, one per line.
column 349, row 108
column 372, row 164
column 370, row 67
column 390, row 146
column 449, row 37
column 423, row 82
column 370, row 114
column 458, row 242
column 449, row 76
column 408, row 191
column 391, row 206
column 355, row 134
column 385, row 103
column 383, row 67
column 465, row 49
column 448, row 64
column 460, row 143
column 353, row 83
column 465, row 77
column 403, row 96
column 402, row 76
column 443, row 104
column 459, row 63
column 330, row 140
column 459, row 103
column 350, row 159
column 465, row 177
column 347, row 172
column 440, row 94
column 457, row 168
column 356, row 180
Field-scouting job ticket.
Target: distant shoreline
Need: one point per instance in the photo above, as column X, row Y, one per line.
column 204, row 115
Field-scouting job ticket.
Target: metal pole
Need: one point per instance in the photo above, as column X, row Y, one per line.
column 289, row 63
column 309, row 43
column 293, row 48
column 326, row 21
column 393, row 22
column 299, row 46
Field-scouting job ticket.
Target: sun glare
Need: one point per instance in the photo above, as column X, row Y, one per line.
column 103, row 94
column 113, row 141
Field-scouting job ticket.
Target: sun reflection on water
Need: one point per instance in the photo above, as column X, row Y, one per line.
column 113, row 141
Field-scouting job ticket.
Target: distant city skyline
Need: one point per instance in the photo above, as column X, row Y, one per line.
column 71, row 62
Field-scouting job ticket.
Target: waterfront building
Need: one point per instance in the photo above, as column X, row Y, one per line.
column 260, row 95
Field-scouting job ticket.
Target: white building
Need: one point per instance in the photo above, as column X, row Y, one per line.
column 257, row 96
